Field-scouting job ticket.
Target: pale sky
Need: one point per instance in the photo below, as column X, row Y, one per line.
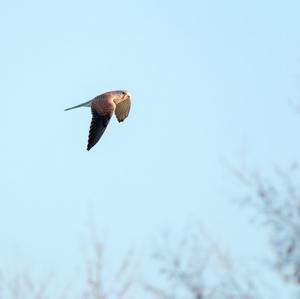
column 209, row 81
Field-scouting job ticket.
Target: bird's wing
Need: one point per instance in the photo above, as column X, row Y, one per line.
column 97, row 127
column 122, row 109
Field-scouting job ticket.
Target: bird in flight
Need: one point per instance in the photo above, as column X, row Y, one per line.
column 103, row 106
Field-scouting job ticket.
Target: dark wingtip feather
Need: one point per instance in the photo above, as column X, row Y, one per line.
column 97, row 128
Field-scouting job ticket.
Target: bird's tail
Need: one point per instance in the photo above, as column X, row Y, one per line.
column 86, row 104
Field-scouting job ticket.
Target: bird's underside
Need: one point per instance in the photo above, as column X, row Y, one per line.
column 103, row 107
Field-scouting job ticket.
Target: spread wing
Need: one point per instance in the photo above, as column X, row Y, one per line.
column 97, row 127
column 122, row 109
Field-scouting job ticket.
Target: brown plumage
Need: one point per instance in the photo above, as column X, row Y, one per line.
column 103, row 107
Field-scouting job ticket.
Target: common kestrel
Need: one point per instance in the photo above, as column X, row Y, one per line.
column 103, row 107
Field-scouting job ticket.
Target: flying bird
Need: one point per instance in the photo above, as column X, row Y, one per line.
column 103, row 107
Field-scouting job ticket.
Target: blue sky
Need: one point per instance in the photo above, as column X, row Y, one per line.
column 209, row 79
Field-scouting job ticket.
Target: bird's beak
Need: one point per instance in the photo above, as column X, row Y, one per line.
column 127, row 95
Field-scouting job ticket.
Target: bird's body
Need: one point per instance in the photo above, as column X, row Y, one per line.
column 103, row 107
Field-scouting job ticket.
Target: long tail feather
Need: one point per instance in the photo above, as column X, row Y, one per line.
column 86, row 104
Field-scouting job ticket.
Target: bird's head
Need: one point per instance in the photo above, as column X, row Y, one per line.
column 124, row 94
column 121, row 95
